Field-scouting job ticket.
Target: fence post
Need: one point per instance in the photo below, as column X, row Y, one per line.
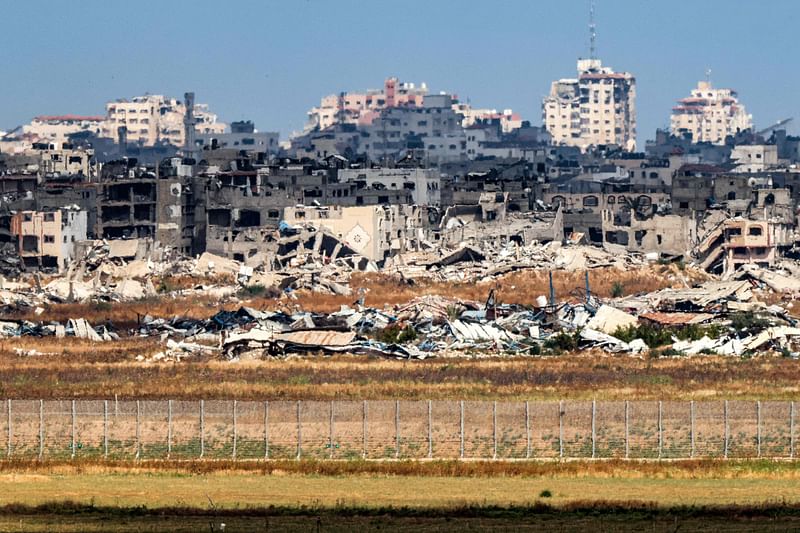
column 430, row 429
column 462, row 430
column 561, row 429
column 266, row 429
column 330, row 432
column 73, row 429
column 8, row 426
column 41, row 429
column 527, row 430
column 397, row 428
column 138, row 429
column 660, row 429
column 169, row 428
column 594, row 428
column 202, row 428
column 691, row 429
column 235, row 435
column 105, row 429
column 627, row 440
column 494, row 430
column 725, row 417
column 364, row 426
column 791, row 430
column 758, row 428
column 299, row 432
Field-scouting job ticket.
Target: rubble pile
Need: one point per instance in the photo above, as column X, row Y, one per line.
column 726, row 316
column 470, row 264
column 707, row 319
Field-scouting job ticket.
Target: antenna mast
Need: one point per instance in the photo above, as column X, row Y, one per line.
column 592, row 33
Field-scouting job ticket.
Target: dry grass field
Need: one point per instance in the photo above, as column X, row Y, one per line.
column 405, row 497
column 77, row 369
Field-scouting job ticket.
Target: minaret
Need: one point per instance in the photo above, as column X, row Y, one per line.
column 592, row 33
column 189, row 145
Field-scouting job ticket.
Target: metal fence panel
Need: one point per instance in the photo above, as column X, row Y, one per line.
column 676, row 433
column 742, row 421
column 283, row 430
column 251, row 437
column 478, row 432
column 775, row 427
column 89, row 429
column 387, row 429
column 381, row 434
column 185, row 430
column 446, row 429
column 57, row 429
column 23, row 418
column 545, row 434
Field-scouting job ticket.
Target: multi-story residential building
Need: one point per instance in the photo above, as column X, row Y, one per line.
column 64, row 161
column 153, row 119
column 363, row 107
column 596, row 108
column 754, row 157
column 433, row 128
column 424, row 183
column 709, row 115
column 47, row 239
column 243, row 136
column 508, row 120
column 57, row 128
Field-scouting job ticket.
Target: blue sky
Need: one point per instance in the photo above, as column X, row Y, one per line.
column 272, row 60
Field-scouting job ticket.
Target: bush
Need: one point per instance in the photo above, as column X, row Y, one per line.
column 617, row 289
column 562, row 341
column 253, row 290
column 395, row 334
column 652, row 336
column 748, row 322
column 655, row 336
column 545, row 494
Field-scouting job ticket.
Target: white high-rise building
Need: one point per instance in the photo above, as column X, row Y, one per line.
column 154, row 118
column 598, row 107
column 710, row 115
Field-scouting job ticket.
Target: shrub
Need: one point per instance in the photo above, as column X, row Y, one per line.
column 562, row 341
column 652, row 336
column 617, row 289
column 545, row 494
column 748, row 322
column 395, row 334
column 253, row 290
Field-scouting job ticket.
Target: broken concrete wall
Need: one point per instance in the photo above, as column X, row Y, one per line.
column 372, row 231
column 667, row 234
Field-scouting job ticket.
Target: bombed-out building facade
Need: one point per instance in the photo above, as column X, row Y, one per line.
column 411, row 178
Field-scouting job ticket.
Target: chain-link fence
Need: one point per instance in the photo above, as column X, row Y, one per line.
column 152, row 429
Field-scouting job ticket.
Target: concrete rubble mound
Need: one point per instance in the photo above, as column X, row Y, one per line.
column 726, row 315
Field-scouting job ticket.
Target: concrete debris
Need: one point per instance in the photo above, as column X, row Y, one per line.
column 609, row 319
column 734, row 314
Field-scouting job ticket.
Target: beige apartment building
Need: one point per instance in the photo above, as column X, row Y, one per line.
column 154, row 118
column 47, row 239
column 363, row 107
column 57, row 128
column 709, row 115
column 598, row 107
